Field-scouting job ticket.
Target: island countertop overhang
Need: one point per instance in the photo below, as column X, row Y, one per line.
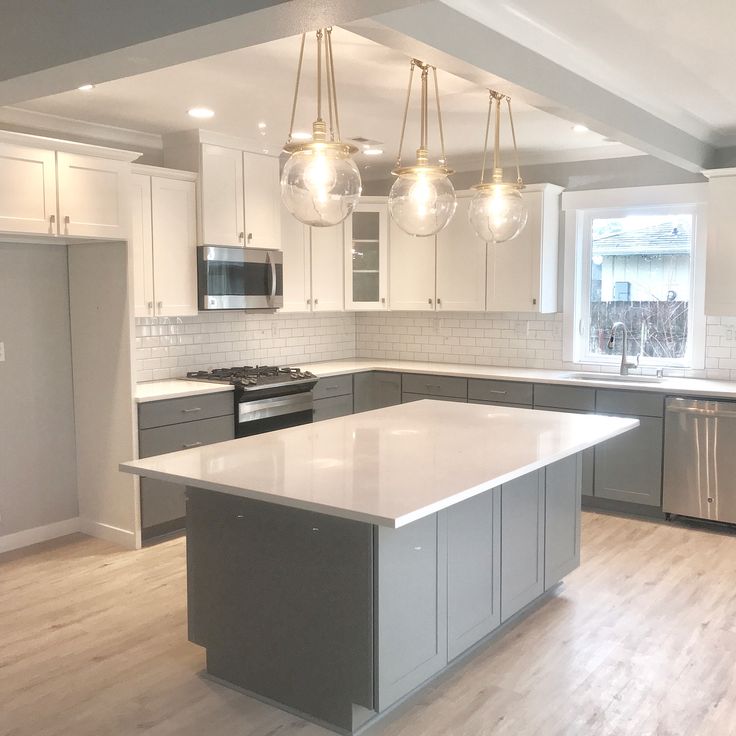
column 388, row 467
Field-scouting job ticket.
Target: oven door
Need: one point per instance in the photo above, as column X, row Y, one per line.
column 276, row 412
column 229, row 277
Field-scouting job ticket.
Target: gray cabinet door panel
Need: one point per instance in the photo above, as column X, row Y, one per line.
column 473, row 570
column 186, row 409
column 629, row 467
column 161, row 502
column 375, row 390
column 522, row 542
column 407, row 397
column 632, row 403
column 160, row 440
column 333, row 386
column 412, row 606
column 450, row 386
column 500, row 392
column 564, row 397
column 562, row 519
column 338, row 406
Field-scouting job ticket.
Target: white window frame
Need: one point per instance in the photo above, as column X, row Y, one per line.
column 580, row 208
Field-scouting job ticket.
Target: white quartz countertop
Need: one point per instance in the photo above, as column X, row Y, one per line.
column 391, row 466
column 668, row 385
column 175, row 388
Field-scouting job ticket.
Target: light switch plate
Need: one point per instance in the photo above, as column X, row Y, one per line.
column 2, row 352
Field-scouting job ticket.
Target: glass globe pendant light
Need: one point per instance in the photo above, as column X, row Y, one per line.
column 497, row 211
column 422, row 200
column 320, row 183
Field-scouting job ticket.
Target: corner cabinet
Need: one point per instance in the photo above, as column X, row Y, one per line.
column 163, row 238
column 366, row 256
column 522, row 273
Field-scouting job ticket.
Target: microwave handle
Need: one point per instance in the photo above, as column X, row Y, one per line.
column 273, row 274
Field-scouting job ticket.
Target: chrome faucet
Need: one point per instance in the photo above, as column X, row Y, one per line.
column 625, row 364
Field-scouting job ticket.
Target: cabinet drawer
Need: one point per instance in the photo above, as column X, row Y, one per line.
column 564, row 397
column 159, row 440
column 407, row 397
column 333, row 386
column 500, row 392
column 335, row 406
column 636, row 403
column 376, row 390
column 449, row 386
column 186, row 409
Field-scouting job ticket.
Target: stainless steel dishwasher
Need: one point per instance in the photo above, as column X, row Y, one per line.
column 700, row 459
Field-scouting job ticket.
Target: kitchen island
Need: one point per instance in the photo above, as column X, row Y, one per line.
column 334, row 568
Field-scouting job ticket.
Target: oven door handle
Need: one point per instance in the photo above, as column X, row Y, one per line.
column 276, row 406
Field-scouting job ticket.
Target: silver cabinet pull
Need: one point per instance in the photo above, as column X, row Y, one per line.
column 190, row 445
column 250, row 237
column 496, row 391
column 331, row 388
column 150, row 306
column 309, row 301
column 429, row 300
column 189, row 411
column 316, row 302
column 383, row 300
column 160, row 305
column 52, row 221
column 432, row 385
column 439, row 301
column 241, row 236
column 67, row 219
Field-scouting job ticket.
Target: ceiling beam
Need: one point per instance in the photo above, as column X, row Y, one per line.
column 460, row 45
column 47, row 47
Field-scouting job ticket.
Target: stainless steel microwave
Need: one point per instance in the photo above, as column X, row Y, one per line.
column 232, row 277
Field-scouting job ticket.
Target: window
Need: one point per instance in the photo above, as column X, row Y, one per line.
column 637, row 265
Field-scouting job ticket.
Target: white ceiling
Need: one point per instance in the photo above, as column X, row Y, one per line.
column 674, row 58
column 255, row 85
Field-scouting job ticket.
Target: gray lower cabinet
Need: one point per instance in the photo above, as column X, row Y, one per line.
column 376, row 390
column 562, row 519
column 411, row 581
column 435, row 386
column 515, row 393
column 473, row 570
column 336, row 406
column 522, row 542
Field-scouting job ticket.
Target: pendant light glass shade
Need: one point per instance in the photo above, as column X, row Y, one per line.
column 320, row 183
column 422, row 200
column 497, row 211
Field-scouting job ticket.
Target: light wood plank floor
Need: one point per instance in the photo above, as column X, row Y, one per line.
column 640, row 641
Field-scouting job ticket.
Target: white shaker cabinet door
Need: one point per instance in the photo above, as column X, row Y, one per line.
column 92, row 196
column 262, row 201
column 27, row 190
column 461, row 264
column 327, row 269
column 297, row 268
column 174, row 208
column 140, row 243
column 411, row 271
column 222, row 196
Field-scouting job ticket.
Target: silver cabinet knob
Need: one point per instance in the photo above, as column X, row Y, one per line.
column 241, row 236
column 309, row 301
column 150, row 306
column 439, row 302
column 67, row 219
column 383, row 300
column 316, row 302
column 429, row 301
column 250, row 237
column 160, row 305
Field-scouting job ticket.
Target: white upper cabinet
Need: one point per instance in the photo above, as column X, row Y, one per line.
column 411, row 270
column 163, row 239
column 240, row 198
column 461, row 264
column 27, row 190
column 262, row 201
column 327, row 248
column 720, row 294
column 92, row 196
column 223, row 219
column 522, row 273
column 366, row 256
column 297, row 266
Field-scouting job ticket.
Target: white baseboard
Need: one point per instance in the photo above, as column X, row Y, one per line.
column 109, row 533
column 16, row 540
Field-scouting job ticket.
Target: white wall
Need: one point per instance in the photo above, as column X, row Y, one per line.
column 38, row 484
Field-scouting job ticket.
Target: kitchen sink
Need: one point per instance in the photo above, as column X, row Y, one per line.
column 613, row 378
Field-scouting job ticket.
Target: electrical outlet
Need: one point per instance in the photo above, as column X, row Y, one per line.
column 2, row 352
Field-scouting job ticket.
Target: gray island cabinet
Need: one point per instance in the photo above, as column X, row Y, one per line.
column 335, row 568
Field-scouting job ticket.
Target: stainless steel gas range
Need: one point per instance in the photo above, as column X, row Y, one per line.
column 266, row 397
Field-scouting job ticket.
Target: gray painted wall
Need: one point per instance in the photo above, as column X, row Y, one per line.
column 38, row 483
column 611, row 173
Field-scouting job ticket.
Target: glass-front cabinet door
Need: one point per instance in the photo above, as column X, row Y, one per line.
column 366, row 256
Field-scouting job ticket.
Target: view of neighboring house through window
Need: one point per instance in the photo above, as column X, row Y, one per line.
column 640, row 274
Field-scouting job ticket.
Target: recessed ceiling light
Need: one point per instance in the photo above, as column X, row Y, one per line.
column 372, row 151
column 580, row 128
column 301, row 135
column 261, row 125
column 200, row 112
column 85, row 87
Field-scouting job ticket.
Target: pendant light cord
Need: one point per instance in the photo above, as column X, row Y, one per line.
column 333, row 85
column 296, row 88
column 485, row 139
column 497, row 134
column 319, row 74
column 443, row 161
column 406, row 112
column 519, row 180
